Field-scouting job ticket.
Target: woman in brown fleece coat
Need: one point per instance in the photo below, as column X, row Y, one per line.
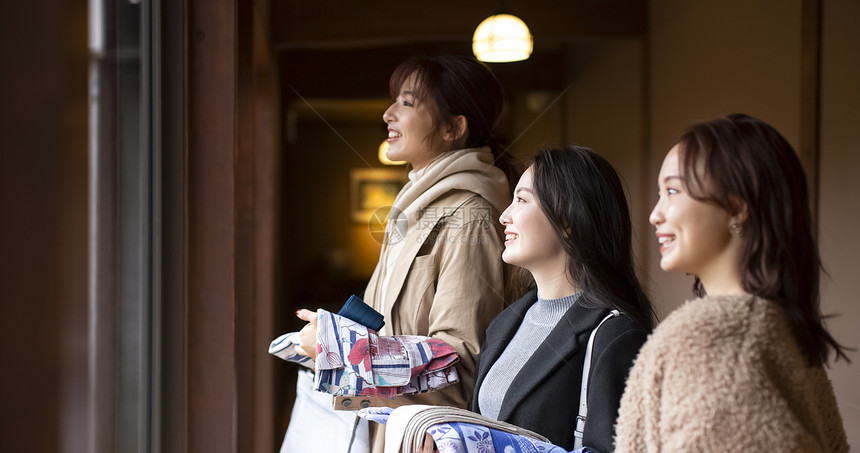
column 741, row 367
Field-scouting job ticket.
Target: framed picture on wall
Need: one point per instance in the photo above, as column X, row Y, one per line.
column 372, row 192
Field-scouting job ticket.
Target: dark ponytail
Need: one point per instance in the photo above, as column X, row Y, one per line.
column 506, row 162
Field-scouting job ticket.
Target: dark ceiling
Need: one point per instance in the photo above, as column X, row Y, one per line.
column 348, row 49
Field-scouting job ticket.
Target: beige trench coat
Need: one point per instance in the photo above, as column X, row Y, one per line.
column 448, row 283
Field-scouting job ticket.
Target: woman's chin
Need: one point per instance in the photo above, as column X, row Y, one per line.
column 665, row 264
column 669, row 266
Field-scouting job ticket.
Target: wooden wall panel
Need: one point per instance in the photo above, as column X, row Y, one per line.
column 43, row 240
column 210, row 235
column 229, row 190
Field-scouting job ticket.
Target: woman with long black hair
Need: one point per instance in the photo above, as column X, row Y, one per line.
column 555, row 361
column 569, row 228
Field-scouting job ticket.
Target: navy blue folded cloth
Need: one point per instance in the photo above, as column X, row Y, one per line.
column 358, row 311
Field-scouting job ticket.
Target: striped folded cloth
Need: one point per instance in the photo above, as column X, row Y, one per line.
column 285, row 348
column 353, row 360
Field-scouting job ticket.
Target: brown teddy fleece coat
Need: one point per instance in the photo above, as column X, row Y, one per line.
column 725, row 374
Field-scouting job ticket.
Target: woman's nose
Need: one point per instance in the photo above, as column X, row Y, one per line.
column 505, row 218
column 388, row 115
column 656, row 217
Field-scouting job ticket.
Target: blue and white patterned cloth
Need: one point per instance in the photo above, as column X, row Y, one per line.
column 470, row 438
column 285, row 348
column 461, row 437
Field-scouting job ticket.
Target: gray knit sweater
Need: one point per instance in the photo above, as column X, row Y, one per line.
column 538, row 322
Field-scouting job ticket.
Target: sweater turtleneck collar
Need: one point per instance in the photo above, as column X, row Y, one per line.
column 551, row 310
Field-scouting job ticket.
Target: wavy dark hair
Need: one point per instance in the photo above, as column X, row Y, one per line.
column 739, row 160
column 583, row 198
column 459, row 85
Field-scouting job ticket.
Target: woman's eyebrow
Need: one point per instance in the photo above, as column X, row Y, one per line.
column 522, row 189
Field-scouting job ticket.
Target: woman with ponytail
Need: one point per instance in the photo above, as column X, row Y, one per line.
column 440, row 273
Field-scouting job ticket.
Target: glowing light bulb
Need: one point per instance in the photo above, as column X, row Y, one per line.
column 502, row 38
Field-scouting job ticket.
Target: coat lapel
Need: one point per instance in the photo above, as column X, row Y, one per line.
column 503, row 330
column 399, row 271
column 562, row 345
column 414, row 239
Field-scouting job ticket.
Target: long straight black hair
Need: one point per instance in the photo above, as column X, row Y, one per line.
column 738, row 160
column 583, row 198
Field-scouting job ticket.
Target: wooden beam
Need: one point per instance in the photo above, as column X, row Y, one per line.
column 375, row 23
column 364, row 73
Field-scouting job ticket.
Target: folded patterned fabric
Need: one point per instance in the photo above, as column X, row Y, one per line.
column 353, row 360
column 354, row 309
column 457, row 430
column 285, row 348
column 460, row 437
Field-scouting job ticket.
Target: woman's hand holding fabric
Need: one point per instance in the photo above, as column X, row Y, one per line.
column 308, row 334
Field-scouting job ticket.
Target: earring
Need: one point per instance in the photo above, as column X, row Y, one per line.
column 736, row 230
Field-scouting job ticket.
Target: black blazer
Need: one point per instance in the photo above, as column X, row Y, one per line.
column 544, row 396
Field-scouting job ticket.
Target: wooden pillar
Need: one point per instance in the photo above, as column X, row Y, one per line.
column 229, row 186
column 210, row 230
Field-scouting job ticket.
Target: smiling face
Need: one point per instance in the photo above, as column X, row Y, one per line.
column 693, row 235
column 411, row 128
column 530, row 240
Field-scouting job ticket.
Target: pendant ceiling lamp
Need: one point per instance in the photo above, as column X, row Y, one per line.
column 501, row 38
